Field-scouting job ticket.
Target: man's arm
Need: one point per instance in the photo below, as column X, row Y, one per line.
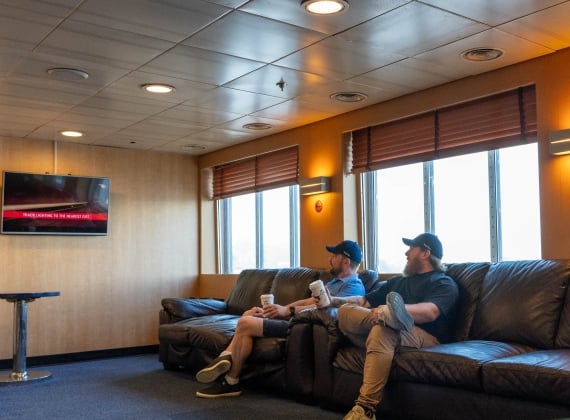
column 423, row 312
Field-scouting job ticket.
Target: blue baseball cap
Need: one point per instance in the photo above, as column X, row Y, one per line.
column 427, row 241
column 349, row 249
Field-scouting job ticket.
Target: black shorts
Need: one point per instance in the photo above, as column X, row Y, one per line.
column 275, row 327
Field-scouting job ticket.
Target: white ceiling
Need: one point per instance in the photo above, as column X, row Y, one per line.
column 225, row 58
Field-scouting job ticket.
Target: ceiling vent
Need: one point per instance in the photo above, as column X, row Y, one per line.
column 481, row 54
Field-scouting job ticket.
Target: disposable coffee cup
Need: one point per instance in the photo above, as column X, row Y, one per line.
column 266, row 299
column 318, row 291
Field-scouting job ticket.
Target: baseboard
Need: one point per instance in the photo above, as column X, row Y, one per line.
column 6, row 364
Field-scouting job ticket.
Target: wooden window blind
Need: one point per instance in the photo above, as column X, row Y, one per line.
column 270, row 170
column 489, row 123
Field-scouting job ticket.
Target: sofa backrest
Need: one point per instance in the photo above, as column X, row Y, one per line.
column 291, row 284
column 469, row 278
column 249, row 286
column 522, row 302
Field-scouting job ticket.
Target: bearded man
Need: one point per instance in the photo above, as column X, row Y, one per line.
column 415, row 309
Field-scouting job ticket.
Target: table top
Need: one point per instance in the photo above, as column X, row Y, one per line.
column 27, row 296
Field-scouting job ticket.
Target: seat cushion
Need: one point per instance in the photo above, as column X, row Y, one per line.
column 452, row 364
column 539, row 375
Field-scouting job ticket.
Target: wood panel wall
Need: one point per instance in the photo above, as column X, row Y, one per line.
column 110, row 286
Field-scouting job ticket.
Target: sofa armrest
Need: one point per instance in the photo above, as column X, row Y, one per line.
column 180, row 308
column 327, row 318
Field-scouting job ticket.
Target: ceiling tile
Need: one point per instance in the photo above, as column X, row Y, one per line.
column 270, row 40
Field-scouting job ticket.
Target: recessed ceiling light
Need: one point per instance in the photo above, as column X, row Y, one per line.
column 257, row 126
column 349, row 96
column 71, row 133
column 324, row 7
column 158, row 88
column 481, row 54
column 62, row 73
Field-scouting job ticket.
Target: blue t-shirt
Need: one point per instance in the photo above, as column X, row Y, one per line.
column 348, row 286
column 435, row 287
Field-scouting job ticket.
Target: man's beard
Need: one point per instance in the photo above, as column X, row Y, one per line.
column 412, row 267
column 334, row 271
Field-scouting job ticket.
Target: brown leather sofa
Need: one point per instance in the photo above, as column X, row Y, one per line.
column 510, row 357
column 192, row 332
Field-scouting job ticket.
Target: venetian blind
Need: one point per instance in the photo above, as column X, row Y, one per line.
column 489, row 123
column 270, row 170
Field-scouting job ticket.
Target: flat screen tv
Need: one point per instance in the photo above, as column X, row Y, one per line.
column 43, row 204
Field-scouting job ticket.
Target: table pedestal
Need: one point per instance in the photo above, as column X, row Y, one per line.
column 19, row 372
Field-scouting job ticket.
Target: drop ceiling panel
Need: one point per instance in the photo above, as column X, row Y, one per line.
column 253, row 37
column 337, row 58
column 200, row 65
column 234, row 100
column 493, row 12
column 413, row 28
column 195, row 114
column 549, row 27
column 98, row 44
column 168, row 20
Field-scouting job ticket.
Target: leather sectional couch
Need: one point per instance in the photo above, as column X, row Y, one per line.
column 509, row 359
column 192, row 332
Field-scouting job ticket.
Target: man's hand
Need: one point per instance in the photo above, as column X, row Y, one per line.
column 318, row 299
column 276, row 311
column 255, row 311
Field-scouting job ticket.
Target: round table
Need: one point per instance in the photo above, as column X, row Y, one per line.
column 19, row 373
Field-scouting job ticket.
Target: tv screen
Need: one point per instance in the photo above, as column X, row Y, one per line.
column 54, row 204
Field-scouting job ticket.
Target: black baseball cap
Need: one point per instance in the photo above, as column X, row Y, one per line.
column 427, row 241
column 349, row 249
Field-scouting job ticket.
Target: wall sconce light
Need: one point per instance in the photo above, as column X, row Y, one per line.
column 317, row 185
column 559, row 142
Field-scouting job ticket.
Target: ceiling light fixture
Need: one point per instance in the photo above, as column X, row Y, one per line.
column 257, row 126
column 324, row 7
column 158, row 88
column 71, row 133
column 349, row 96
column 62, row 73
column 481, row 54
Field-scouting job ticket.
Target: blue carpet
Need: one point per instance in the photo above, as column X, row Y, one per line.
column 137, row 387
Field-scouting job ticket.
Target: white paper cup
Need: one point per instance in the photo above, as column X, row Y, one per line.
column 266, row 299
column 318, row 291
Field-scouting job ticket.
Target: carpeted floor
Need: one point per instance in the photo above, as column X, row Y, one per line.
column 137, row 387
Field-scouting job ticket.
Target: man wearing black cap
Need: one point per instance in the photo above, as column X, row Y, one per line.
column 273, row 321
column 415, row 309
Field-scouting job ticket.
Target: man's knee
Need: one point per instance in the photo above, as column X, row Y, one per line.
column 249, row 325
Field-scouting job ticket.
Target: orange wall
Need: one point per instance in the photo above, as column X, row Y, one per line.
column 321, row 150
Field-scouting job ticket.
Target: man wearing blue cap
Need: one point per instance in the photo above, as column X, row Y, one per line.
column 415, row 309
column 273, row 321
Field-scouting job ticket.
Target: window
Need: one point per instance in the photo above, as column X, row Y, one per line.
column 259, row 230
column 258, row 211
column 484, row 206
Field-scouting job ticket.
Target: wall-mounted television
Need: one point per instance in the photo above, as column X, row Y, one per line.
column 45, row 204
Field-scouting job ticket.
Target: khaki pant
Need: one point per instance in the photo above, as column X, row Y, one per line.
column 362, row 328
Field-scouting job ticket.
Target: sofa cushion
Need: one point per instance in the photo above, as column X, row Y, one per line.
column 211, row 333
column 540, row 375
column 291, row 284
column 451, row 364
column 250, row 285
column 469, row 278
column 521, row 302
